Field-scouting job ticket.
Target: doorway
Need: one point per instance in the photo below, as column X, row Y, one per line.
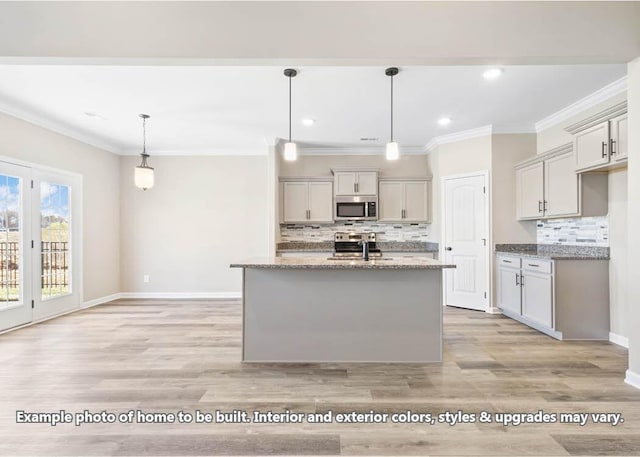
column 466, row 243
column 40, row 244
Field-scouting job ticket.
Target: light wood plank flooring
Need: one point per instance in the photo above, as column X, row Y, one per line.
column 167, row 356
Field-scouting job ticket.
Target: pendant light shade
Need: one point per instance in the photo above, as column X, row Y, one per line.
column 143, row 177
column 393, row 151
column 290, row 148
column 290, row 151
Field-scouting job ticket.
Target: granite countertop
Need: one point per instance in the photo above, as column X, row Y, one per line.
column 315, row 263
column 555, row 252
column 385, row 246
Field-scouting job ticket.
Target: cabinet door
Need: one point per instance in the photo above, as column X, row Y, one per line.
column 367, row 183
column 561, row 184
column 509, row 291
column 537, row 298
column 416, row 202
column 295, row 201
column 345, row 183
column 591, row 146
column 391, row 201
column 321, row 202
column 530, row 191
column 619, row 144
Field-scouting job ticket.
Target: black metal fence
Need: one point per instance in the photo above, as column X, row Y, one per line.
column 55, row 266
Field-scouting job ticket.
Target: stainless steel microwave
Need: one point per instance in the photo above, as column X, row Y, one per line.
column 354, row 208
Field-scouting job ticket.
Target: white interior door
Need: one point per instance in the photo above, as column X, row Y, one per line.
column 465, row 241
column 56, row 234
column 15, row 246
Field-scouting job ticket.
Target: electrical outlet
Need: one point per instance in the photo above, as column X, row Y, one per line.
column 145, row 278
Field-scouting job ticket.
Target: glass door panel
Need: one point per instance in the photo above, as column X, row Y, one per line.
column 56, row 233
column 15, row 299
column 55, row 243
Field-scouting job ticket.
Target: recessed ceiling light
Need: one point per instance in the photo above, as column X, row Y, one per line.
column 492, row 73
column 444, row 121
column 308, row 122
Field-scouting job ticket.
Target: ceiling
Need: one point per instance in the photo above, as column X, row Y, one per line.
column 241, row 109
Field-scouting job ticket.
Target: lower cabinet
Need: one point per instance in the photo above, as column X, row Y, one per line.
column 566, row 299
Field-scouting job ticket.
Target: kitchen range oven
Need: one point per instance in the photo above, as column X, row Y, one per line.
column 356, row 209
column 349, row 245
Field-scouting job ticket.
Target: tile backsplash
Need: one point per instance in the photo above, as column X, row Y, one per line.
column 583, row 231
column 386, row 232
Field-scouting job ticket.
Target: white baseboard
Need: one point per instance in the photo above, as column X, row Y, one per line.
column 101, row 300
column 183, row 295
column 619, row 340
column 633, row 379
column 494, row 311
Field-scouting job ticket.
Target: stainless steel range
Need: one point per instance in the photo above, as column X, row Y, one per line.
column 350, row 245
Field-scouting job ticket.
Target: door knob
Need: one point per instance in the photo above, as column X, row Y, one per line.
column 449, row 248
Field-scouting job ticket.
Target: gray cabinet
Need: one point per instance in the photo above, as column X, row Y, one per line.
column 547, row 186
column 530, row 191
column 566, row 299
column 406, row 200
column 600, row 141
column 356, row 182
column 592, row 147
column 307, row 201
column 508, row 284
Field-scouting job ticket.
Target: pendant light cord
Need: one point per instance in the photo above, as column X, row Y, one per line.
column 289, row 109
column 144, row 135
column 392, row 108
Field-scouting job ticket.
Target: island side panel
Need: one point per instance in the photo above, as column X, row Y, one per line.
column 342, row 315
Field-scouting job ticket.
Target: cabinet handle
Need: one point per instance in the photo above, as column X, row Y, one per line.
column 403, row 214
column 517, row 277
column 522, row 280
column 308, row 214
column 604, row 152
column 613, row 143
column 357, row 187
column 539, row 206
column 507, row 261
column 354, row 188
column 544, row 206
column 533, row 264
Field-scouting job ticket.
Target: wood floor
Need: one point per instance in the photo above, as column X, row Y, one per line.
column 169, row 356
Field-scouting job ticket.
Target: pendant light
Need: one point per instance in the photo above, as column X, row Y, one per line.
column 144, row 173
column 393, row 152
column 290, row 149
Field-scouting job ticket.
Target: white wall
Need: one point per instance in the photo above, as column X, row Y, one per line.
column 556, row 136
column 101, row 193
column 633, row 226
column 202, row 214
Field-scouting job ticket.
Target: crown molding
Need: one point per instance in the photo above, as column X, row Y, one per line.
column 558, row 150
column 199, row 152
column 599, row 96
column 56, row 127
column 602, row 116
column 458, row 136
column 357, row 150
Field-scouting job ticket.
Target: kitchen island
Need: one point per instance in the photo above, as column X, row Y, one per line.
column 309, row 309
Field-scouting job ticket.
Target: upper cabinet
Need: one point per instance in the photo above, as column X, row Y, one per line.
column 307, row 201
column 600, row 141
column 619, row 136
column 404, row 200
column 547, row 186
column 347, row 182
column 530, row 191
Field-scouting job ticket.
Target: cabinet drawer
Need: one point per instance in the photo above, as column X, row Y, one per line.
column 512, row 262
column 539, row 265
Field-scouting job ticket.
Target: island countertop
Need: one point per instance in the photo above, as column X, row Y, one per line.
column 315, row 263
